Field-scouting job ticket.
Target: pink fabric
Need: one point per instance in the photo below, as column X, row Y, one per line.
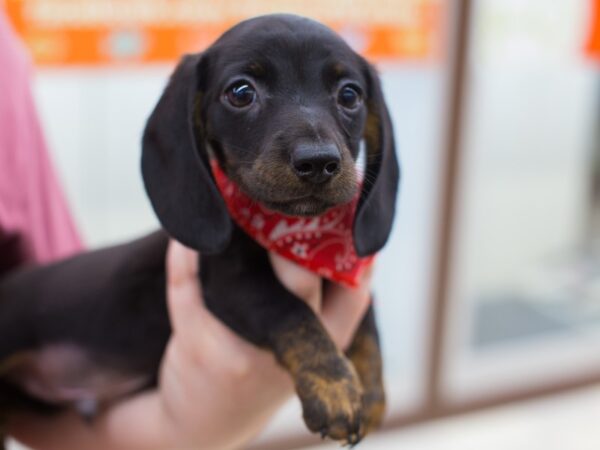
column 33, row 211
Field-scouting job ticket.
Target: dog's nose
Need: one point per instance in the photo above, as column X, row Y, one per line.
column 316, row 163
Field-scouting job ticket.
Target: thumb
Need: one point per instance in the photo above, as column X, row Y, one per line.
column 184, row 295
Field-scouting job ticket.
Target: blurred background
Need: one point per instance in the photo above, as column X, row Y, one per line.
column 488, row 293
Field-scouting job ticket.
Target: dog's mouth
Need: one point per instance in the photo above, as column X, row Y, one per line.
column 307, row 206
column 293, row 198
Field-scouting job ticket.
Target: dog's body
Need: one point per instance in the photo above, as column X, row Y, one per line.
column 282, row 104
column 79, row 313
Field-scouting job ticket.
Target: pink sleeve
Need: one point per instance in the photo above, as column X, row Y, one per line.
column 33, row 211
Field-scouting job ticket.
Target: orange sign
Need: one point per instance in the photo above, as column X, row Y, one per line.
column 102, row 32
column 593, row 42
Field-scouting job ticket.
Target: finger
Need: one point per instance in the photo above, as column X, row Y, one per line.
column 298, row 280
column 182, row 263
column 344, row 308
column 184, row 296
column 197, row 331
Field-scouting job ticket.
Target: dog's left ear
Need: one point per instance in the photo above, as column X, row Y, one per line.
column 176, row 170
column 377, row 204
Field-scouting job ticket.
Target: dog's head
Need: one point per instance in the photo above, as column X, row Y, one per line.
column 283, row 103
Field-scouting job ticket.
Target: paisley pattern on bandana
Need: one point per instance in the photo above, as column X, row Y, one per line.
column 322, row 244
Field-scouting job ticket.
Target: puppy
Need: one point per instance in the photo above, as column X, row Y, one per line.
column 279, row 105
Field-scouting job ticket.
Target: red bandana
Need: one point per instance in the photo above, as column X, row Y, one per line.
column 323, row 244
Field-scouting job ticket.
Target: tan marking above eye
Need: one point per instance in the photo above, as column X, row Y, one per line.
column 256, row 69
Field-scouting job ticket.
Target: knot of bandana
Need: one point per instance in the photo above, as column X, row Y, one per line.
column 322, row 244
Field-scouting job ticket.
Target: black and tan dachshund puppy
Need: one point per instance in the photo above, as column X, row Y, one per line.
column 283, row 104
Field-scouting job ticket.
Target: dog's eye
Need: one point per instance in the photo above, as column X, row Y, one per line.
column 240, row 94
column 349, row 97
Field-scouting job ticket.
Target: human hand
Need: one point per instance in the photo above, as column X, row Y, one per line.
column 215, row 390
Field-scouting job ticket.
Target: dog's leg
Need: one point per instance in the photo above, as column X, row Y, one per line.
column 259, row 308
column 324, row 378
column 365, row 354
column 326, row 382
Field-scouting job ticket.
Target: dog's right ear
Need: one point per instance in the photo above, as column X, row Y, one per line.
column 175, row 167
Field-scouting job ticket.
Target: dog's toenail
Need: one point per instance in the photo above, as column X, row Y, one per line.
column 323, row 432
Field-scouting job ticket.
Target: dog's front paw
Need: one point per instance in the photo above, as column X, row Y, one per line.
column 332, row 401
column 373, row 408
